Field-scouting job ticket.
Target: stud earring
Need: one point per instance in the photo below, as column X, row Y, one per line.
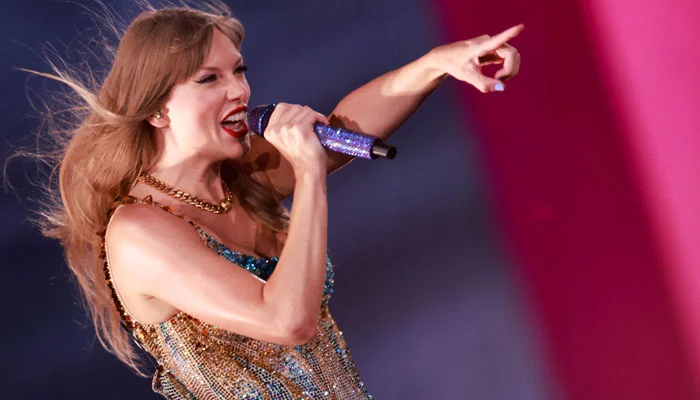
column 158, row 115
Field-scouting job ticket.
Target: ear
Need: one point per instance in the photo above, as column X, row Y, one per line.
column 159, row 122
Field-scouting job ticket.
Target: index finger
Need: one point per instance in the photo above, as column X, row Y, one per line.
column 497, row 41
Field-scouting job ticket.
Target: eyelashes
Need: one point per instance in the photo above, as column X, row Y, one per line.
column 211, row 78
column 206, row 79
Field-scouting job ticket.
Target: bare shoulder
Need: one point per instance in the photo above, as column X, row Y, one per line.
column 140, row 240
column 141, row 219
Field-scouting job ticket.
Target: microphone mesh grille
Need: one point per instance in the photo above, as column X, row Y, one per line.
column 258, row 117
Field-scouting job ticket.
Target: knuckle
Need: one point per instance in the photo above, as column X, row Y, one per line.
column 507, row 51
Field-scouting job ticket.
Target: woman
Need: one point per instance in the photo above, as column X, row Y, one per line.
column 162, row 168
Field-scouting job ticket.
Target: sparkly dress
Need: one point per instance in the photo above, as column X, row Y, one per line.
column 197, row 360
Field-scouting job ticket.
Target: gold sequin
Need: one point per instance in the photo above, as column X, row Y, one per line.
column 197, row 360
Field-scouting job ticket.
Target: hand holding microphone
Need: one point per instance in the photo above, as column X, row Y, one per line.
column 290, row 131
column 336, row 139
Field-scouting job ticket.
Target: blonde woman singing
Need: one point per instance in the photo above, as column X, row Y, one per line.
column 170, row 216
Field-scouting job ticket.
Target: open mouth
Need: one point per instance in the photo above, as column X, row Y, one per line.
column 234, row 123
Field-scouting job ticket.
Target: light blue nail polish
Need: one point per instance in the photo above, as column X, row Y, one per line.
column 498, row 87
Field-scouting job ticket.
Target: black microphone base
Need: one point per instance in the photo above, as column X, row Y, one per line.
column 384, row 150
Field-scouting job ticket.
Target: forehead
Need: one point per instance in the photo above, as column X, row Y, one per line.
column 222, row 50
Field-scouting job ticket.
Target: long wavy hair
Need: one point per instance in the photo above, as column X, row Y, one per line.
column 109, row 143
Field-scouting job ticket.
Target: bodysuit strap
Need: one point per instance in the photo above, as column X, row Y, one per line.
column 148, row 200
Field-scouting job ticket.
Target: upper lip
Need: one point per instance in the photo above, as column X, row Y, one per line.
column 235, row 110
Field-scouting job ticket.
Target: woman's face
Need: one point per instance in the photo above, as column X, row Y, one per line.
column 197, row 108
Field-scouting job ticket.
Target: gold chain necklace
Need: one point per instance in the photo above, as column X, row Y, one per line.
column 223, row 207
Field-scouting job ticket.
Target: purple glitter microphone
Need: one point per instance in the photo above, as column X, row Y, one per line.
column 337, row 139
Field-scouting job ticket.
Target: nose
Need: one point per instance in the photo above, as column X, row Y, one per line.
column 237, row 88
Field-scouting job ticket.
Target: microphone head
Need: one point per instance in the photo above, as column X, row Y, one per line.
column 258, row 117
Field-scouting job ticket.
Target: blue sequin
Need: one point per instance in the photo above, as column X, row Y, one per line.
column 263, row 267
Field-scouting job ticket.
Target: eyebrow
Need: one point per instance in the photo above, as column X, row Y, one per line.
column 238, row 62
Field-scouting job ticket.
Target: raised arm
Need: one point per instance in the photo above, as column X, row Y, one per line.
column 380, row 106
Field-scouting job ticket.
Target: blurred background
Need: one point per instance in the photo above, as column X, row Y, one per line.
column 539, row 243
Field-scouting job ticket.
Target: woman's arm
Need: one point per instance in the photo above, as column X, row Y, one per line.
column 153, row 254
column 380, row 106
column 296, row 286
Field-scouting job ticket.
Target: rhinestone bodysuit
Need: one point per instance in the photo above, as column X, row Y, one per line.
column 197, row 360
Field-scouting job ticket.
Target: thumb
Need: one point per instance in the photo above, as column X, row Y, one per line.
column 486, row 84
column 322, row 119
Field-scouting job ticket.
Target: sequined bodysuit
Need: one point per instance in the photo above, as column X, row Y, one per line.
column 197, row 360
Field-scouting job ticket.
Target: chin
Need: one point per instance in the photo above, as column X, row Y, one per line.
column 239, row 149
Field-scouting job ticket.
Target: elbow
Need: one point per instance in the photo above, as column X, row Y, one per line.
column 299, row 333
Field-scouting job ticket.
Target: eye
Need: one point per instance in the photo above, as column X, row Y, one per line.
column 241, row 69
column 208, row 78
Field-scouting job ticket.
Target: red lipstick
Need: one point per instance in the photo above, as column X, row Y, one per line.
column 243, row 130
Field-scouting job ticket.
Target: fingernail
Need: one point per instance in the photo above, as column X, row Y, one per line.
column 499, row 87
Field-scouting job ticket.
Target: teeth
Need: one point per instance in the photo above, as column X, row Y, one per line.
column 235, row 117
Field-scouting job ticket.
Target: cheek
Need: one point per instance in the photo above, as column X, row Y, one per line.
column 193, row 109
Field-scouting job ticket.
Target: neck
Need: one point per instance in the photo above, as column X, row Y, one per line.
column 187, row 169
column 195, row 175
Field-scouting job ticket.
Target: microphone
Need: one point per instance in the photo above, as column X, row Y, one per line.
column 341, row 140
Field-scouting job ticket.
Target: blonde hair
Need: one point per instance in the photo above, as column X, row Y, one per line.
column 109, row 143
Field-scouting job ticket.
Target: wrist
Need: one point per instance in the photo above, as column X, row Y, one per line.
column 432, row 64
column 310, row 175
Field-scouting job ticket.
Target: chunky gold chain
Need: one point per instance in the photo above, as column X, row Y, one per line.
column 223, row 207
